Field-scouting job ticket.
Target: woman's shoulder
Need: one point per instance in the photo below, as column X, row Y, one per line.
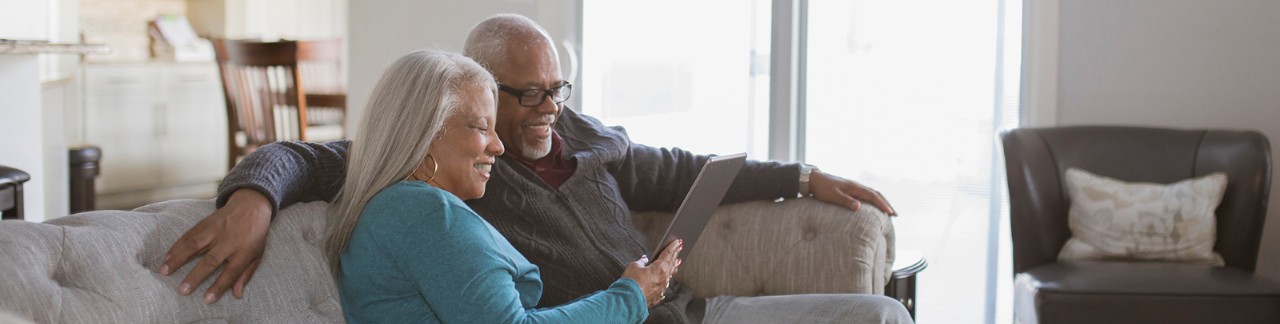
column 415, row 210
column 413, row 198
column 415, row 193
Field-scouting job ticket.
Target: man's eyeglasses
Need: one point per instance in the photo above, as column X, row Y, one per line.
column 534, row 97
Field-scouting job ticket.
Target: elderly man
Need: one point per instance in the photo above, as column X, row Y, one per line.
column 562, row 194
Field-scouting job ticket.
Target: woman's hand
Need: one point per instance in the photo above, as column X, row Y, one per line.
column 654, row 278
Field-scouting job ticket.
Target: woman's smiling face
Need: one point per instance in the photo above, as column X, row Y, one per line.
column 467, row 147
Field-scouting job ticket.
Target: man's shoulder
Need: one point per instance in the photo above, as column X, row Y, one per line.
column 583, row 132
column 573, row 121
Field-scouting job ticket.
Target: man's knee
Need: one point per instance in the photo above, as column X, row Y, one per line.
column 888, row 310
column 813, row 308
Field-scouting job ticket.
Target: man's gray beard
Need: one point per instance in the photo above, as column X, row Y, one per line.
column 534, row 152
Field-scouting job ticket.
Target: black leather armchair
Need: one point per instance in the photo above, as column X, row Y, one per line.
column 1048, row 292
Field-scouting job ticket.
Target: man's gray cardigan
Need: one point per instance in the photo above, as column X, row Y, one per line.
column 580, row 236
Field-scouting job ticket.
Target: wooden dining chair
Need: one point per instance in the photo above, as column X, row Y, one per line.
column 269, row 96
column 320, row 66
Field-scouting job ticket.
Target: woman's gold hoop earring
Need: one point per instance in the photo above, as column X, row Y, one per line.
column 435, row 168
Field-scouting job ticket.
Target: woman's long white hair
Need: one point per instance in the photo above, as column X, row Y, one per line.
column 406, row 113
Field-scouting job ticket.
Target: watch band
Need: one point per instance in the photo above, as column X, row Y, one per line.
column 806, row 170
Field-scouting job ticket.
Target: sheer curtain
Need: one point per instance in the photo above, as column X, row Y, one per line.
column 906, row 96
column 679, row 73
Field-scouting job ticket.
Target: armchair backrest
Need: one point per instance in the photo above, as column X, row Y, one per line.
column 1037, row 158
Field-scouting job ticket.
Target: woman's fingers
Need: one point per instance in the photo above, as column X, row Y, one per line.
column 655, row 278
column 672, row 251
column 650, row 279
column 670, row 257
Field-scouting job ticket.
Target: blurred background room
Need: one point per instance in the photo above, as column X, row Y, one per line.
column 907, row 97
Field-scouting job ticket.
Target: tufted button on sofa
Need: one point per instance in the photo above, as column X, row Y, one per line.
column 101, row 266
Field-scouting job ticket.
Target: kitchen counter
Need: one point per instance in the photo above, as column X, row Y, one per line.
column 23, row 47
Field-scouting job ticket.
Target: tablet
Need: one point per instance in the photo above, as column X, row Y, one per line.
column 701, row 202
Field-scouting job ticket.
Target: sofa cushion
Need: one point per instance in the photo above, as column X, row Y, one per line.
column 1135, row 292
column 1115, row 220
column 101, row 267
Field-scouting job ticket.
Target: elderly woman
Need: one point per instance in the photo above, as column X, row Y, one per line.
column 403, row 245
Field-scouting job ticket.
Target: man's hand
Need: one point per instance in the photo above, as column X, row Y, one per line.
column 654, row 278
column 847, row 193
column 235, row 234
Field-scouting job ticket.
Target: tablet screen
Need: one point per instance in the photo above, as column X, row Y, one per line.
column 701, row 202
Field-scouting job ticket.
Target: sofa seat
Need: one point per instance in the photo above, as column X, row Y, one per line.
column 1140, row 292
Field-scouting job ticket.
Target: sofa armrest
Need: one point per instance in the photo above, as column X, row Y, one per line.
column 796, row 246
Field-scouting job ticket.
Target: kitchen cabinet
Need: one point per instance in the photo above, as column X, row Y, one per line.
column 161, row 126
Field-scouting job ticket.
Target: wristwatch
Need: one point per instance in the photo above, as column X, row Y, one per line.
column 805, row 171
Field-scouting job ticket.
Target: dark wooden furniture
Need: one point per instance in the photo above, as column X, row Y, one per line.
column 275, row 90
column 1049, row 292
column 263, row 95
column 320, row 65
column 902, row 285
column 84, row 168
column 11, row 192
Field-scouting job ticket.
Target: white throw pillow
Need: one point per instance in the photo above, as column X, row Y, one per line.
column 1116, row 220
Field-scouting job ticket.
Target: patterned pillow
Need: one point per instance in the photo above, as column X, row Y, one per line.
column 1115, row 220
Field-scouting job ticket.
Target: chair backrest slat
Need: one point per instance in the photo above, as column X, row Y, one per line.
column 257, row 77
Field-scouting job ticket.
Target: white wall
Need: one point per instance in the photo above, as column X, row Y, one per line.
column 21, row 108
column 20, row 88
column 60, row 99
column 24, row 19
column 269, row 20
column 1177, row 63
column 383, row 30
column 56, row 97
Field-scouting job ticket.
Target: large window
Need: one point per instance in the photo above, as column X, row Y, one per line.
column 679, row 73
column 906, row 96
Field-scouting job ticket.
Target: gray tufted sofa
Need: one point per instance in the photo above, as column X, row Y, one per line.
column 100, row 267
